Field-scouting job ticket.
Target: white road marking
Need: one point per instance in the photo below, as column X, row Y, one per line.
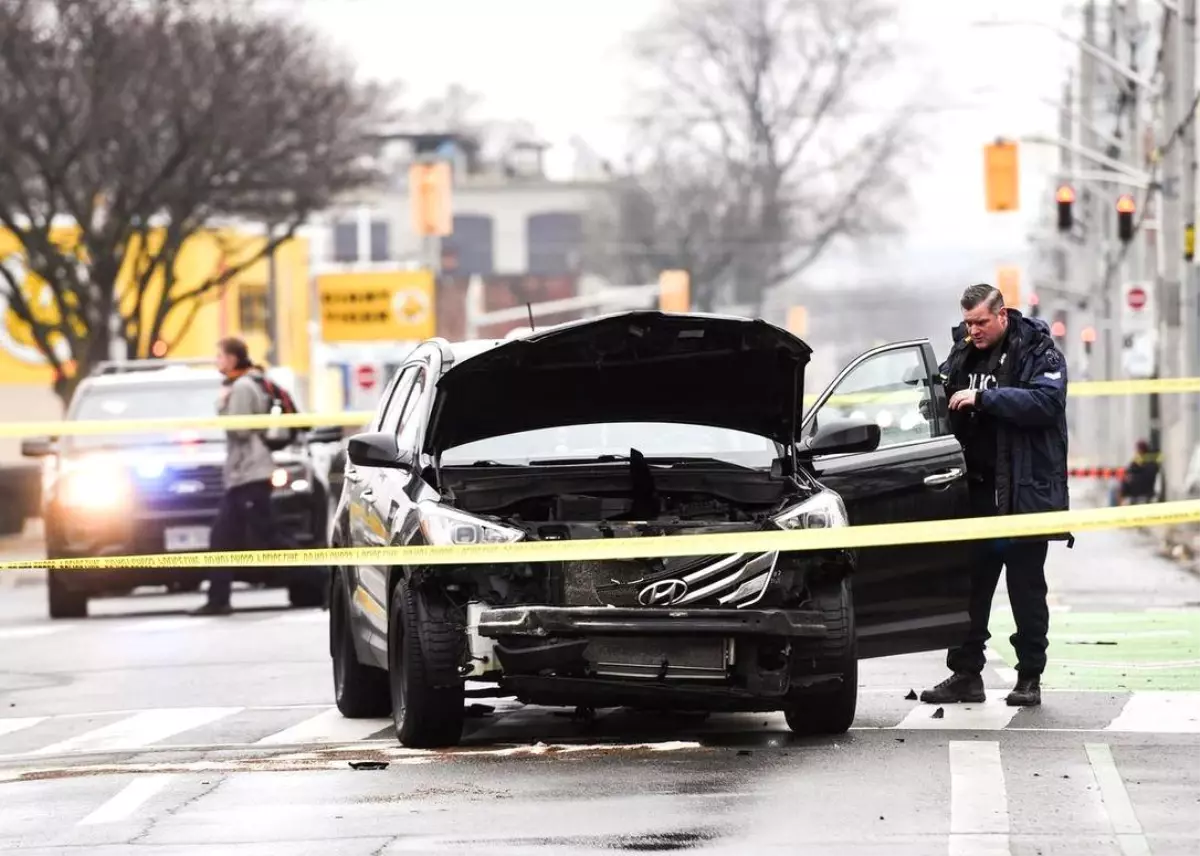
column 1120, row 809
column 9, row 726
column 1102, row 635
column 128, row 800
column 327, row 727
column 141, row 729
column 1159, row 713
column 992, row 715
column 28, row 632
column 979, row 823
column 157, row 625
column 308, row 616
column 1007, row 675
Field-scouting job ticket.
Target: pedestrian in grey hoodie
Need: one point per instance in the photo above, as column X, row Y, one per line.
column 244, row 519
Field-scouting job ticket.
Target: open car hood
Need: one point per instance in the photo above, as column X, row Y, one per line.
column 735, row 373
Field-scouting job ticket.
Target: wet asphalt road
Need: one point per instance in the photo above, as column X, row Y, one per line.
column 141, row 730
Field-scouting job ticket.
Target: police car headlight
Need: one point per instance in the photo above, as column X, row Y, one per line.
column 443, row 526
column 95, row 488
column 823, row 511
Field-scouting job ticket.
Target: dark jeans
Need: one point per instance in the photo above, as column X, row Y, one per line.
column 1024, row 563
column 244, row 522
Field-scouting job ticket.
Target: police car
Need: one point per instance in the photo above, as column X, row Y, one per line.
column 145, row 493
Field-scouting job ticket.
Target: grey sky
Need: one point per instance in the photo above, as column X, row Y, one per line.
column 560, row 64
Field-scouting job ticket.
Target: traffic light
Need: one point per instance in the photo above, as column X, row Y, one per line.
column 1125, row 208
column 1058, row 329
column 674, row 291
column 1088, row 335
column 1001, row 176
column 429, row 188
column 1035, row 308
column 1065, row 197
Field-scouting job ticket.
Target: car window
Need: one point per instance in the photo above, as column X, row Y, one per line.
column 652, row 439
column 890, row 388
column 389, row 410
column 412, row 401
column 146, row 401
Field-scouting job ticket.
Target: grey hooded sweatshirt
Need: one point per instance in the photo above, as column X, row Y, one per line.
column 247, row 458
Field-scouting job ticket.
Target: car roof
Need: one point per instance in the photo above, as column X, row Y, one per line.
column 166, row 375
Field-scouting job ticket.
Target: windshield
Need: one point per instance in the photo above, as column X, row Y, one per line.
column 652, row 439
column 146, row 402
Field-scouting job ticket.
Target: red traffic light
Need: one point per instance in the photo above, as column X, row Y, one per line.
column 1058, row 329
column 1065, row 193
column 1125, row 204
column 1088, row 334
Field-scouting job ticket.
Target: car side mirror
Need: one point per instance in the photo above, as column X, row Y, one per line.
column 378, row 450
column 844, row 436
column 325, row 434
column 37, row 447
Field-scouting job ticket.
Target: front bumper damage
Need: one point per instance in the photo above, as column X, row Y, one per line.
column 714, row 659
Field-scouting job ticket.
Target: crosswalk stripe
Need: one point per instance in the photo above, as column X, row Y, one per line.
column 158, row 625
column 141, row 729
column 979, row 824
column 993, row 715
column 1120, row 809
column 308, row 616
column 128, row 800
column 28, row 632
column 10, row 726
column 327, row 727
column 1159, row 712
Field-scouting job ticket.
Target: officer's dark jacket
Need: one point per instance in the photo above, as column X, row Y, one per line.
column 1029, row 409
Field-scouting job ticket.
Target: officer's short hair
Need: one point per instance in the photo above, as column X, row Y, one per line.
column 974, row 295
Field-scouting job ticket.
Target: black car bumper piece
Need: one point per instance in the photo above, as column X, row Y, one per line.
column 586, row 621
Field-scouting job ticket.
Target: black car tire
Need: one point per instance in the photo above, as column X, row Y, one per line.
column 832, row 711
column 360, row 691
column 65, row 603
column 423, row 652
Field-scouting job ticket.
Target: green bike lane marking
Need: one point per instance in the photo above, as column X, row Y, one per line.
column 1115, row 651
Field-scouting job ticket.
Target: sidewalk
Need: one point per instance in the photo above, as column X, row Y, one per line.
column 29, row 545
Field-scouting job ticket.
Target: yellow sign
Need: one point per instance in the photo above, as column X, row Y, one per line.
column 1008, row 280
column 429, row 194
column 797, row 321
column 1001, row 176
column 376, row 306
column 674, row 291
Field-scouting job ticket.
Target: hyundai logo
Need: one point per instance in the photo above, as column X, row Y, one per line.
column 663, row 593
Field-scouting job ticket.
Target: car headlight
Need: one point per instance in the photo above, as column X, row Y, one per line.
column 293, row 478
column 445, row 526
column 95, row 488
column 823, row 511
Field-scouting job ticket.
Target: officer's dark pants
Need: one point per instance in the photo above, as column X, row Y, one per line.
column 1024, row 563
column 244, row 522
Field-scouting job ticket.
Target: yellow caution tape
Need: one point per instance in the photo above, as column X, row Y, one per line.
column 662, row 546
column 100, row 427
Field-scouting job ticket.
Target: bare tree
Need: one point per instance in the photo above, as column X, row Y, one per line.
column 755, row 151
column 143, row 127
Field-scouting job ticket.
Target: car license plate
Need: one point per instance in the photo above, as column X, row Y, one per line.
column 187, row 538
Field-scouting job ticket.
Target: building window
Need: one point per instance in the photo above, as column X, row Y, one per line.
column 252, row 308
column 468, row 251
column 555, row 243
column 381, row 245
column 345, row 241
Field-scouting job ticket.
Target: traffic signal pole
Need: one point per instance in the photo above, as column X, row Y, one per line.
column 1190, row 305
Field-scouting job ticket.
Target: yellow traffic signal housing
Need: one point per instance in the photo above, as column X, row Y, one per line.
column 1008, row 281
column 674, row 291
column 1002, row 177
column 429, row 195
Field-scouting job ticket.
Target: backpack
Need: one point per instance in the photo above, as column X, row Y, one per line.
column 279, row 401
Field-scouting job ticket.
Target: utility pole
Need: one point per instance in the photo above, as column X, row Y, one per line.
column 1175, row 431
column 1186, row 99
column 1092, row 249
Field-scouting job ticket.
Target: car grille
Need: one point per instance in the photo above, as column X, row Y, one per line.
column 720, row 581
column 183, row 487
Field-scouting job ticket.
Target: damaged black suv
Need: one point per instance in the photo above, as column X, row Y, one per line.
column 634, row 425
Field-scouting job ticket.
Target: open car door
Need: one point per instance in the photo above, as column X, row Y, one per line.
column 907, row 598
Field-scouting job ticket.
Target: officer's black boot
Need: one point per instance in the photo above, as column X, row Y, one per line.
column 1027, row 692
column 961, row 686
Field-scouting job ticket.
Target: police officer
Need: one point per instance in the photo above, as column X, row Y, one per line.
column 1007, row 382
column 244, row 520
